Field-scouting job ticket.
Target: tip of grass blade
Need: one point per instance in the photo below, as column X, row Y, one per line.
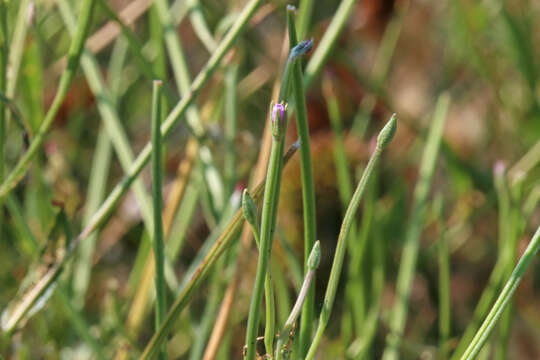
column 387, row 133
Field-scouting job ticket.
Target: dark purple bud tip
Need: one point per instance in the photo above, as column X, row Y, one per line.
column 302, row 48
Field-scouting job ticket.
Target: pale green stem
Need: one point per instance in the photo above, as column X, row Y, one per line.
column 271, row 194
column 311, row 264
column 182, row 78
column 412, row 237
column 271, row 198
column 384, row 138
column 504, row 297
column 328, row 41
column 159, row 254
column 308, row 188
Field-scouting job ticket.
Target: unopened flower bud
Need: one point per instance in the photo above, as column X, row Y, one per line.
column 278, row 119
column 315, row 256
column 249, row 209
column 387, row 133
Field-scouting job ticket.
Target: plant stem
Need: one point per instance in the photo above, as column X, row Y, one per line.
column 74, row 54
column 412, row 238
column 4, row 53
column 182, row 78
column 384, row 138
column 444, row 285
column 311, row 264
column 271, row 197
column 328, row 41
column 231, row 82
column 221, row 244
column 503, row 299
column 161, row 295
column 271, row 194
column 305, row 10
column 251, row 217
column 308, row 188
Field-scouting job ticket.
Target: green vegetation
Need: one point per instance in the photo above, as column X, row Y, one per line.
column 429, row 255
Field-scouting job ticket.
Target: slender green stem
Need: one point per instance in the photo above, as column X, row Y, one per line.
column 380, row 69
column 181, row 74
column 231, row 82
column 200, row 26
column 355, row 291
column 96, row 192
column 250, row 213
column 511, row 238
column 285, row 334
column 176, row 114
column 111, row 118
column 16, row 47
column 74, row 54
column 305, row 10
column 383, row 140
column 221, row 244
column 4, row 53
column 412, row 238
column 308, row 188
column 159, row 254
column 504, row 297
column 496, row 279
column 444, row 285
column 271, row 197
column 328, row 41
column 271, row 194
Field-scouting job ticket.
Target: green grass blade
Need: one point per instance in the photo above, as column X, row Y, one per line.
column 412, row 238
column 321, row 53
column 74, row 56
column 504, row 297
column 96, row 191
column 182, row 78
column 157, row 241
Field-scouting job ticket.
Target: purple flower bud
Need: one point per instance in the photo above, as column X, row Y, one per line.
column 278, row 119
column 281, row 108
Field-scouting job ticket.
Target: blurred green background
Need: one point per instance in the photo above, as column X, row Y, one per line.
column 392, row 56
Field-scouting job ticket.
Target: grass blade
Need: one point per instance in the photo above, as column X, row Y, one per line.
column 412, row 238
column 159, row 253
column 74, row 56
column 504, row 297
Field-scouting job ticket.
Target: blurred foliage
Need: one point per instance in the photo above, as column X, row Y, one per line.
column 484, row 53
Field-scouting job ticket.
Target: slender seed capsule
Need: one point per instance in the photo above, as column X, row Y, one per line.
column 315, row 256
column 249, row 209
column 387, row 133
